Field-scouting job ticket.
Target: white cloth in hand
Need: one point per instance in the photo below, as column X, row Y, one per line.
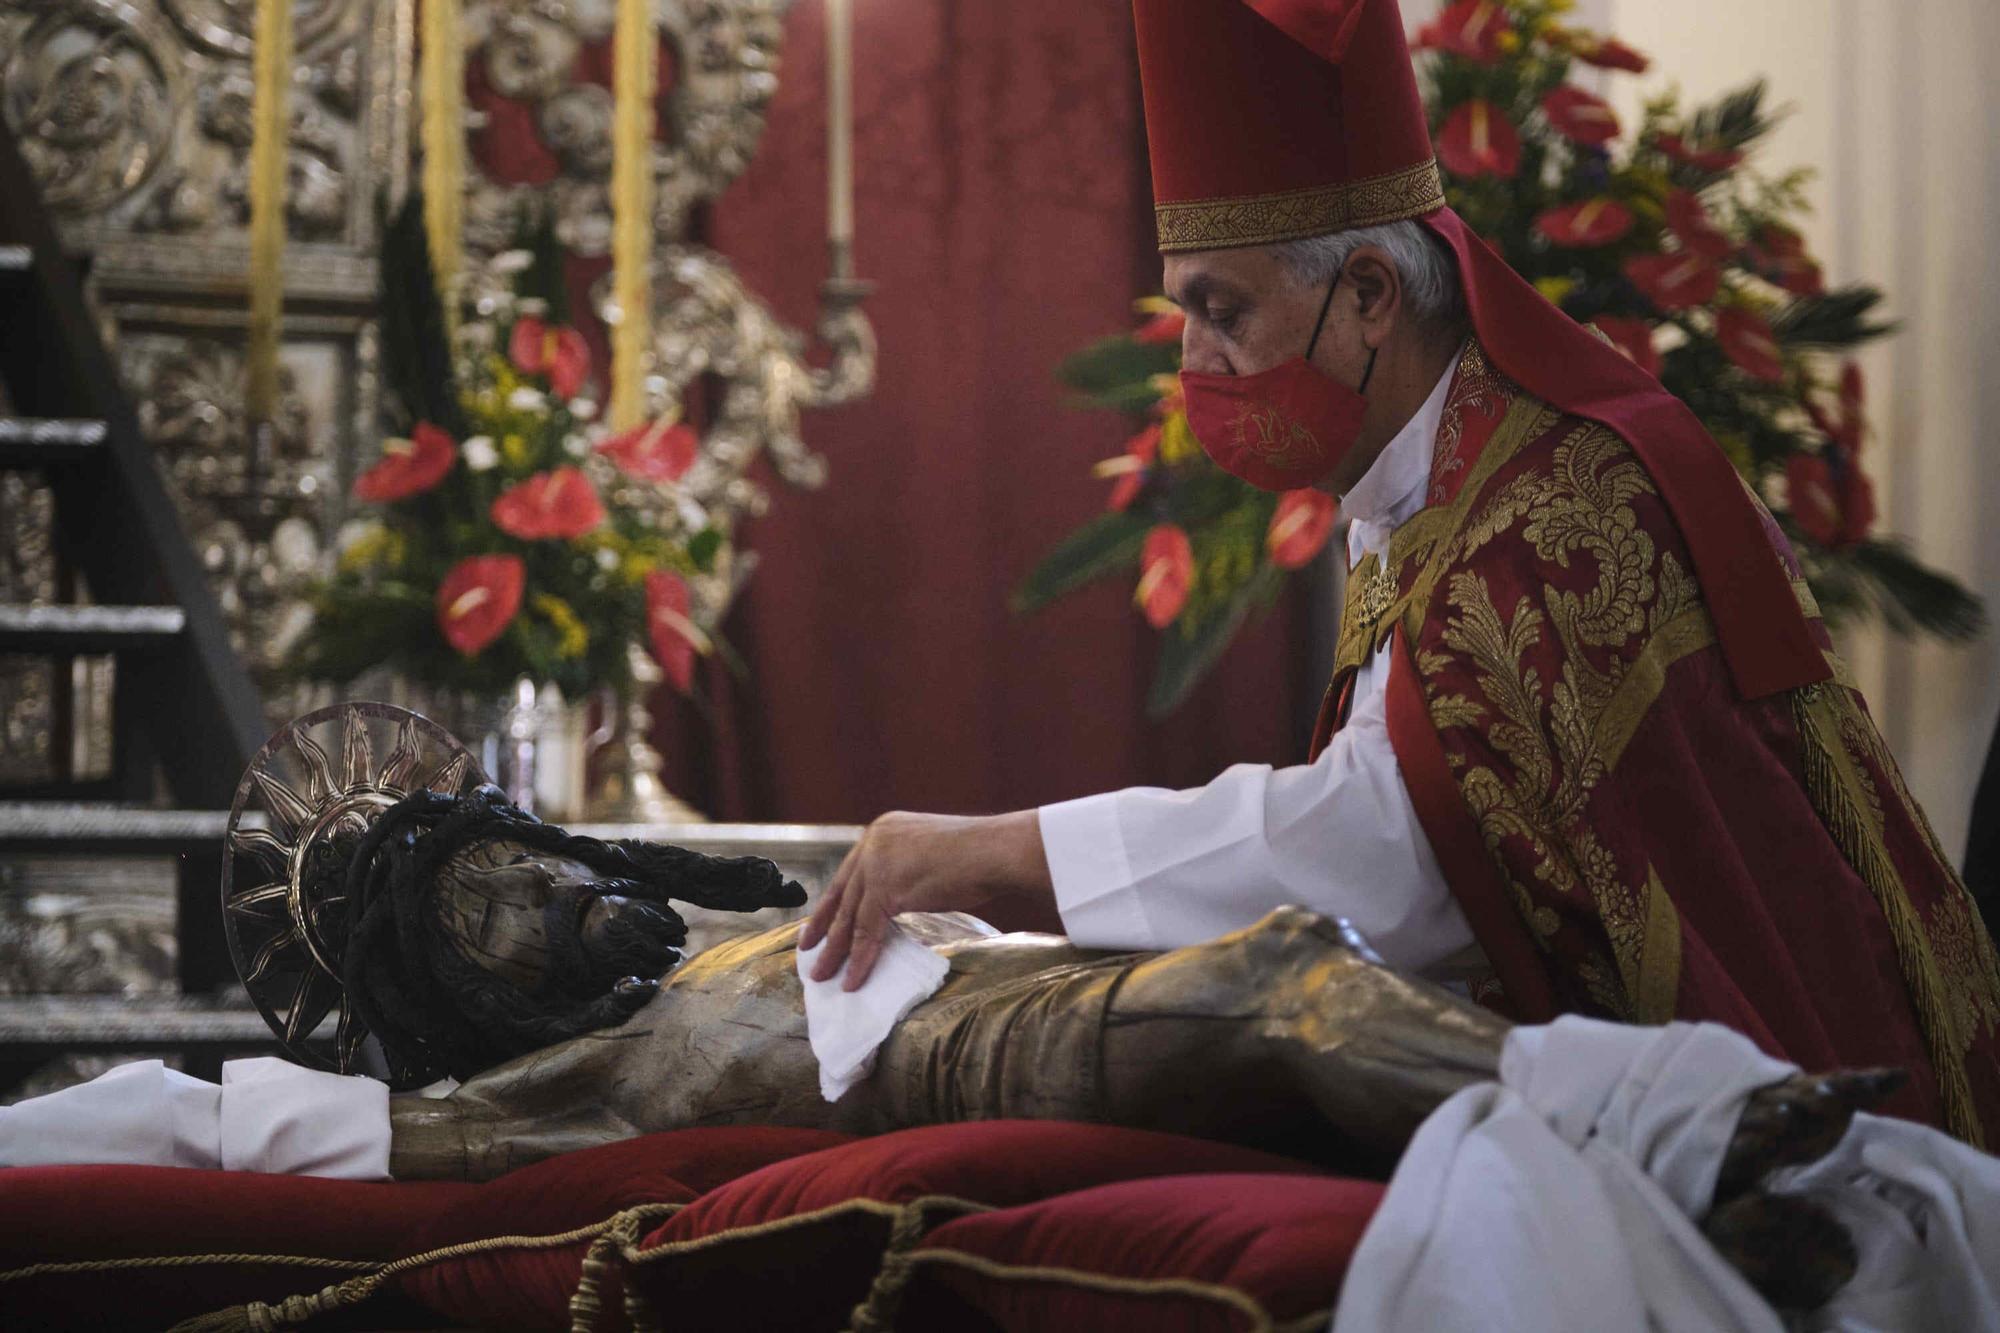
column 845, row 1027
column 267, row 1115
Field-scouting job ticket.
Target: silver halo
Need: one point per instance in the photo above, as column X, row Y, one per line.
column 285, row 943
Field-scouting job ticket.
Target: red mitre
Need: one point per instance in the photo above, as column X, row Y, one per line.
column 1273, row 120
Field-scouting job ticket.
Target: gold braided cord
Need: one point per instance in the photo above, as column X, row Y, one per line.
column 1839, row 792
column 1249, row 1307
column 634, row 56
column 270, row 119
column 180, row 1261
column 297, row 1309
column 1265, row 219
column 442, row 93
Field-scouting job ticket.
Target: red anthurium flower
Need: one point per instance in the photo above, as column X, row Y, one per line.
column 1470, row 28
column 1130, row 468
column 1676, row 281
column 1607, row 53
column 1779, row 253
column 675, row 638
column 478, row 599
column 408, row 467
column 1633, row 337
column 559, row 353
column 1166, row 570
column 1747, row 340
column 559, row 503
column 1847, row 429
column 1164, row 321
column 658, row 451
column 1580, row 116
column 1477, row 140
column 1691, row 225
column 1833, row 502
column 1706, row 159
column 1592, row 222
column 1300, row 526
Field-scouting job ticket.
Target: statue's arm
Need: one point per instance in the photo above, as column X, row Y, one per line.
column 542, row 1104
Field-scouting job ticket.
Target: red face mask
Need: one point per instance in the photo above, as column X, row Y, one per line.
column 1281, row 428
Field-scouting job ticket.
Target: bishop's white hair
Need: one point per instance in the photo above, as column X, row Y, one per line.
column 1428, row 269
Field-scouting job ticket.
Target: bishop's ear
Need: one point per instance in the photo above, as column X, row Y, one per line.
column 1378, row 291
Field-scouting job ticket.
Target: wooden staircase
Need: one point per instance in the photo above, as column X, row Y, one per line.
column 185, row 714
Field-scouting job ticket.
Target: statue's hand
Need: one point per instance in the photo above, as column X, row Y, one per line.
column 1790, row 1249
column 991, row 866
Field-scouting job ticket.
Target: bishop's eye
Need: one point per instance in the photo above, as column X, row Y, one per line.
column 1222, row 318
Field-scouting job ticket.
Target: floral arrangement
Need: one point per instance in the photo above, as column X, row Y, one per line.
column 1657, row 234
column 507, row 534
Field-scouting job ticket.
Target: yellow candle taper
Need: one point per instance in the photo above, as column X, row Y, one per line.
column 443, row 132
column 634, row 54
column 270, row 116
column 840, row 135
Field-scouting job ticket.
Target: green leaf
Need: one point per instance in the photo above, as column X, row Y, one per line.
column 1106, row 543
column 701, row 548
column 416, row 351
column 1186, row 657
column 1116, row 371
column 1911, row 597
column 1837, row 318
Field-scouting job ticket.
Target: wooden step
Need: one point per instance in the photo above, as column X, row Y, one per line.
column 45, row 441
column 88, row 629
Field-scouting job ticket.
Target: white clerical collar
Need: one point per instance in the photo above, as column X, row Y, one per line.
column 1392, row 489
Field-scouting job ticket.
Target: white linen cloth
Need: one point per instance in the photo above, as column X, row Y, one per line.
column 845, row 1027
column 1148, row 868
column 266, row 1115
column 1563, row 1199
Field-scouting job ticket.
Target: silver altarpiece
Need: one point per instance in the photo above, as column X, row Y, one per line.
column 135, row 118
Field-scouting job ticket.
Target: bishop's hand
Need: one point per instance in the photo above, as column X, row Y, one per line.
column 991, row 866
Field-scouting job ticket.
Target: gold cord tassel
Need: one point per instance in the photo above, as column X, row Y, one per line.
column 443, row 132
column 270, row 115
column 634, row 53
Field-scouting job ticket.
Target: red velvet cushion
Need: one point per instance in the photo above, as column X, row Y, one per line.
column 800, row 1218
column 529, row 1288
column 1184, row 1254
column 87, row 1214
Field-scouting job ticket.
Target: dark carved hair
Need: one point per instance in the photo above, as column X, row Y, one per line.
column 435, row 1010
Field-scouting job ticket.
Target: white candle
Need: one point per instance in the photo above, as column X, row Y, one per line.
column 840, row 127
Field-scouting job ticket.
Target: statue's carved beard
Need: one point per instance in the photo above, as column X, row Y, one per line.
column 436, row 1011
column 640, row 943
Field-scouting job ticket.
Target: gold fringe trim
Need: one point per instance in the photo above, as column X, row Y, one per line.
column 1839, row 794
column 634, row 57
column 271, row 123
column 1264, row 219
column 442, row 131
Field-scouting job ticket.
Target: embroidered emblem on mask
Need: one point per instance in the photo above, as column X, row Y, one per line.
column 1269, row 435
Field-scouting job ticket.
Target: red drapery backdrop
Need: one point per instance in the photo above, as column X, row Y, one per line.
column 1002, row 206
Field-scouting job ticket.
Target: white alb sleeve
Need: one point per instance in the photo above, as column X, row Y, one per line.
column 1148, row 868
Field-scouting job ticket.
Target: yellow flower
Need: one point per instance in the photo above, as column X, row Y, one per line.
column 1177, row 441
column 573, row 638
column 1553, row 290
column 637, row 566
column 376, row 547
column 1508, row 42
column 514, row 448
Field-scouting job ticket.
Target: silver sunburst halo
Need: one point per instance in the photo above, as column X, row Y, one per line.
column 284, row 937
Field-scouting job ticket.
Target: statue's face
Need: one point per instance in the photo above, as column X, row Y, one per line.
column 520, row 914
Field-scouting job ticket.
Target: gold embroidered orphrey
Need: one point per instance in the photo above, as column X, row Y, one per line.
column 1265, row 219
column 1559, row 738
